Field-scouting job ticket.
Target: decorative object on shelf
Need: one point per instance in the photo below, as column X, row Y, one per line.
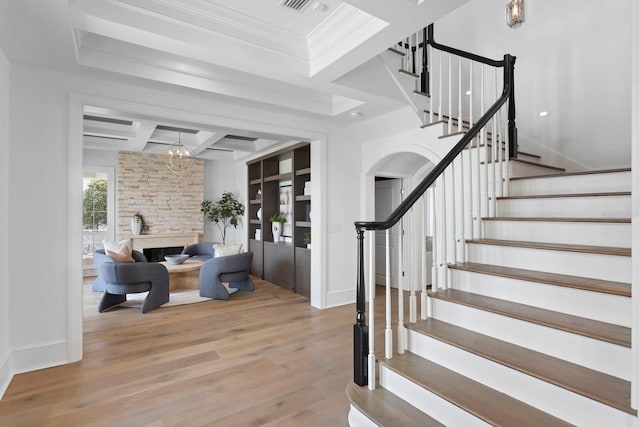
column 224, row 212
column 259, row 195
column 276, row 225
column 515, row 13
column 307, row 239
column 138, row 226
column 259, row 214
column 179, row 157
column 176, row 259
column 258, row 235
column 307, row 188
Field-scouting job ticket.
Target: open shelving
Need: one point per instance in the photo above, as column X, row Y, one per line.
column 281, row 178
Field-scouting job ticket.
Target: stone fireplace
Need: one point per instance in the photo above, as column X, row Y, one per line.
column 169, row 203
column 158, row 245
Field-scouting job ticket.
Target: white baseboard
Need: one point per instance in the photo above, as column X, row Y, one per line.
column 39, row 356
column 347, row 296
column 6, row 374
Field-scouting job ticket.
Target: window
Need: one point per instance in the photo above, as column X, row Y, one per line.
column 97, row 210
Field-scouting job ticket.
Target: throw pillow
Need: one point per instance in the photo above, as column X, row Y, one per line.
column 226, row 250
column 122, row 255
column 114, row 246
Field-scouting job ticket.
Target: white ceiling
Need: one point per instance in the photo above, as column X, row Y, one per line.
column 250, row 51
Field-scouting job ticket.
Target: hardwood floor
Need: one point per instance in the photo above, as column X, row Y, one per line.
column 265, row 358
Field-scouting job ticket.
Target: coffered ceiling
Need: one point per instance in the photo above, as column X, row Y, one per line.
column 257, row 52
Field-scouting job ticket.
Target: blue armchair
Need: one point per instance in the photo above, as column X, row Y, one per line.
column 99, row 258
column 233, row 269
column 121, row 279
column 202, row 251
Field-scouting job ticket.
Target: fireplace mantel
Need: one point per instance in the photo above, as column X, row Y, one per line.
column 139, row 243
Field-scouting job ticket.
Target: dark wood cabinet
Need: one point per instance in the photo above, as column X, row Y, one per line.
column 281, row 183
column 278, row 264
column 303, row 272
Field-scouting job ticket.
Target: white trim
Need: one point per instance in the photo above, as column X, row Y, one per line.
column 41, row 355
column 338, row 298
column 6, row 374
column 635, row 225
column 74, row 231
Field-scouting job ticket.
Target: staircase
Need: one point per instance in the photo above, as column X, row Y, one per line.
column 533, row 328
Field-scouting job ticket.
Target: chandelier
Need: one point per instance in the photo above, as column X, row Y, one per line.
column 179, row 157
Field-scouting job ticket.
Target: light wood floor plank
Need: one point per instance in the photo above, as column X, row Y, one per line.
column 262, row 358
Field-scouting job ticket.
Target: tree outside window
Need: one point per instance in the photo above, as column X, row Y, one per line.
column 94, row 205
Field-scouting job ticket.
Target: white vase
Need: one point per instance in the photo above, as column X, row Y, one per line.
column 136, row 227
column 259, row 214
column 276, row 229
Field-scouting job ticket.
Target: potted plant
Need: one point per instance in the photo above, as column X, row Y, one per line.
column 224, row 212
column 307, row 239
column 138, row 226
column 277, row 220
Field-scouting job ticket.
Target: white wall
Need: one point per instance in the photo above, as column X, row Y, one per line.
column 572, row 61
column 220, row 177
column 5, row 353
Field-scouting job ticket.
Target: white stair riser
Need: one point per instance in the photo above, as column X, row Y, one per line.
column 358, row 419
column 597, row 266
column 519, row 169
column 432, row 404
column 592, row 305
column 595, row 354
column 573, row 207
column 578, row 233
column 592, row 183
column 545, row 396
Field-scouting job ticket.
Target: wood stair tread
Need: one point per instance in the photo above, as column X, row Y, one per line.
column 554, row 196
column 487, row 404
column 602, row 331
column 417, row 92
column 386, row 409
column 528, row 162
column 565, row 280
column 573, row 174
column 604, row 388
column 408, row 73
column 558, row 219
column 396, row 51
column 604, row 250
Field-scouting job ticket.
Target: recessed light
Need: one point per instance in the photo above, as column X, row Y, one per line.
column 355, row 114
column 468, row 93
column 543, row 113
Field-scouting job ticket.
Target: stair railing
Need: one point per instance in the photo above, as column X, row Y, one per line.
column 457, row 199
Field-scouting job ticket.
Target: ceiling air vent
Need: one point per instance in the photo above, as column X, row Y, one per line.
column 297, row 5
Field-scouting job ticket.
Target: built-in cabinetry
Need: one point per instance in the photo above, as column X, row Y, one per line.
column 281, row 183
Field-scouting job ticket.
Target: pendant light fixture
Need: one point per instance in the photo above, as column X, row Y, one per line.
column 178, row 159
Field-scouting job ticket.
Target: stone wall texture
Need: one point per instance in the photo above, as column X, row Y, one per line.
column 169, row 203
